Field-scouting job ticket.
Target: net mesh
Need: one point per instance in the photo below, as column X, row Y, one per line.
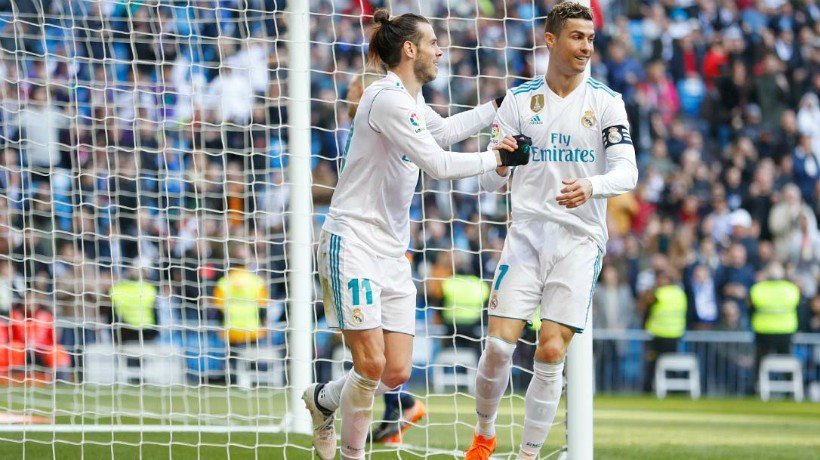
column 145, row 155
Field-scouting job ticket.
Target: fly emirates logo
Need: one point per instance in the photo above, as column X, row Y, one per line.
column 560, row 150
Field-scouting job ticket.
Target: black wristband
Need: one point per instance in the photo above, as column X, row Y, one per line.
column 499, row 100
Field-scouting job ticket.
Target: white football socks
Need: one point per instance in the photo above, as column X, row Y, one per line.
column 330, row 395
column 540, row 406
column 491, row 382
column 356, row 406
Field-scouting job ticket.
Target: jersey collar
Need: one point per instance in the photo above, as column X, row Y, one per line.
column 396, row 80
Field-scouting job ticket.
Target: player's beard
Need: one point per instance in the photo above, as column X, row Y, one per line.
column 425, row 71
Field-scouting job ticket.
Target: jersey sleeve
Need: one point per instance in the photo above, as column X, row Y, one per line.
column 621, row 173
column 396, row 117
column 504, row 124
column 456, row 128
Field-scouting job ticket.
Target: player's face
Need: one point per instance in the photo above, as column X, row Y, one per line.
column 573, row 47
column 428, row 53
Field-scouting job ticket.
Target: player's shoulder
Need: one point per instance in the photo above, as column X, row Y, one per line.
column 386, row 99
column 532, row 86
column 387, row 91
column 601, row 90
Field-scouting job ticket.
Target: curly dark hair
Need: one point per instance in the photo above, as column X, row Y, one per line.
column 563, row 11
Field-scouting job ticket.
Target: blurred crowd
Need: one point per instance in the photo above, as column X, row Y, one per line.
column 141, row 139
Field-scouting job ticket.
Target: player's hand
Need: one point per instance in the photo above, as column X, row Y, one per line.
column 517, row 156
column 508, row 143
column 575, row 192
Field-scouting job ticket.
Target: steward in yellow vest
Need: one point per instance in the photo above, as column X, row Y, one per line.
column 774, row 304
column 241, row 294
column 133, row 302
column 463, row 298
column 664, row 308
column 667, row 316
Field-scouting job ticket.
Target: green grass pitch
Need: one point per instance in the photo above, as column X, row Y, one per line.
column 626, row 427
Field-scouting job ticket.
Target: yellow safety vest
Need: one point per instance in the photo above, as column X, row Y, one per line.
column 667, row 316
column 133, row 302
column 240, row 292
column 775, row 307
column 464, row 297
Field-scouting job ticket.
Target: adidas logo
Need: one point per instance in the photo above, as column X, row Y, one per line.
column 536, row 120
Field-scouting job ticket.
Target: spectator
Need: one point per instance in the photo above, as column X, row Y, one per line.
column 32, row 329
column 133, row 306
column 774, row 320
column 6, row 287
column 772, row 89
column 703, row 312
column 664, row 311
column 784, row 221
column 808, row 120
column 613, row 309
column 38, row 125
column 241, row 296
column 733, row 279
column 807, row 169
column 463, row 299
column 812, row 324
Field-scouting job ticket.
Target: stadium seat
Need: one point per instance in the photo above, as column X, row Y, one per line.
column 814, row 392
column 677, row 362
column 780, row 364
column 149, row 363
column 99, row 364
column 446, row 369
column 261, row 366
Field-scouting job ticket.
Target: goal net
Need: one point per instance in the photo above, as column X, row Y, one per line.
column 162, row 158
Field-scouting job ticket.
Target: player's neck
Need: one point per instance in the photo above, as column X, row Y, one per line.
column 408, row 79
column 562, row 84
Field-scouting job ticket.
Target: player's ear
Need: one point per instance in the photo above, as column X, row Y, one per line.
column 409, row 49
column 549, row 38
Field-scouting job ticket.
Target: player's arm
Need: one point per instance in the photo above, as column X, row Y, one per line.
column 456, row 128
column 394, row 115
column 504, row 124
column 621, row 173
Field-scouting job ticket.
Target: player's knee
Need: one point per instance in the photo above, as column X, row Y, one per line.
column 550, row 350
column 497, row 351
column 370, row 366
column 395, row 377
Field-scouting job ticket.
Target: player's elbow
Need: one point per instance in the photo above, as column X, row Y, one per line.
column 438, row 171
column 633, row 177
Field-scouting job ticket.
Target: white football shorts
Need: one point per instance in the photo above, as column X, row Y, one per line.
column 549, row 265
column 361, row 290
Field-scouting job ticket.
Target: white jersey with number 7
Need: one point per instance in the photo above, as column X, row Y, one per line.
column 583, row 135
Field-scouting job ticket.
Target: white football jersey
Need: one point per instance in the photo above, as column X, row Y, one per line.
column 393, row 136
column 583, row 135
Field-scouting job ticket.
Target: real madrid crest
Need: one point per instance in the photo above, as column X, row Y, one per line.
column 588, row 120
column 537, row 102
column 613, row 136
column 358, row 316
column 494, row 301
